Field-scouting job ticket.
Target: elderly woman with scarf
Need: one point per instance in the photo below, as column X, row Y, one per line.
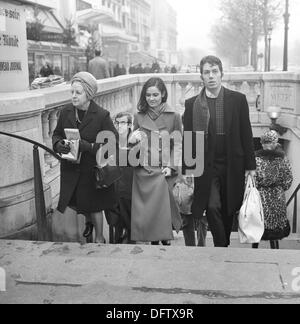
column 274, row 177
column 78, row 189
column 154, row 210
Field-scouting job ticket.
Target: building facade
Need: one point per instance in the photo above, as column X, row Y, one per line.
column 48, row 40
column 140, row 24
column 127, row 31
column 107, row 21
column 164, row 32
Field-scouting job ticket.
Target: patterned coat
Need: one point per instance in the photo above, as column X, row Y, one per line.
column 274, row 177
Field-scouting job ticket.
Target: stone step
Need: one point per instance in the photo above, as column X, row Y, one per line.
column 141, row 274
column 290, row 243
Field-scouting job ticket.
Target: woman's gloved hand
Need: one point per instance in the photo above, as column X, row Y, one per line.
column 136, row 137
column 85, row 146
column 62, row 147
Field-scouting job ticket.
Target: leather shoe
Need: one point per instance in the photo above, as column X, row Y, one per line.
column 89, row 227
column 166, row 243
column 155, row 243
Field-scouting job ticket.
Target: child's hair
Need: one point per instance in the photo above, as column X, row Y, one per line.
column 153, row 82
column 125, row 114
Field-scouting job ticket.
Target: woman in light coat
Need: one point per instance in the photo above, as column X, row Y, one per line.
column 154, row 210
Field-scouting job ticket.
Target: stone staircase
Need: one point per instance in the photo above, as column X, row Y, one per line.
column 290, row 243
column 58, row 273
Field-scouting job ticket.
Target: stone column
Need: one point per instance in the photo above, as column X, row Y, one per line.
column 20, row 114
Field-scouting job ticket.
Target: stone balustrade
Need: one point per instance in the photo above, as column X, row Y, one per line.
column 34, row 114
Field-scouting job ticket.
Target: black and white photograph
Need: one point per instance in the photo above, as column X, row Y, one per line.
column 149, row 155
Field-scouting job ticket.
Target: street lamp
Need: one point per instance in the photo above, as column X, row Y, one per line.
column 274, row 113
column 286, row 35
column 270, row 30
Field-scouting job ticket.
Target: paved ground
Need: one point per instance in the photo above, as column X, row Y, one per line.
column 52, row 273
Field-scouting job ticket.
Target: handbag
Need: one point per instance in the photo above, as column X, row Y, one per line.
column 106, row 176
column 251, row 215
column 106, row 171
column 183, row 193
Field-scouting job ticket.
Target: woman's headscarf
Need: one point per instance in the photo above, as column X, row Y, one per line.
column 88, row 82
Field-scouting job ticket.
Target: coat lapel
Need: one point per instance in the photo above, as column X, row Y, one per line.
column 228, row 110
column 72, row 117
column 89, row 117
column 162, row 121
column 147, row 123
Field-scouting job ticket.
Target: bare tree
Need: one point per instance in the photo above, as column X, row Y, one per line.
column 69, row 34
column 241, row 26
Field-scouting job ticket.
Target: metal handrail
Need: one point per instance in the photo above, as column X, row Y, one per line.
column 40, row 206
column 24, row 139
column 295, row 213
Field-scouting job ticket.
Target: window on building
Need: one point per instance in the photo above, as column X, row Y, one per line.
column 57, row 64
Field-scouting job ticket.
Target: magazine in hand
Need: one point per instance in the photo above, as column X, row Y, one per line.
column 73, row 139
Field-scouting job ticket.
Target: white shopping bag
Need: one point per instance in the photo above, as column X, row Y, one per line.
column 251, row 216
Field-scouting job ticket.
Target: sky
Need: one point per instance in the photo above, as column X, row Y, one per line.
column 195, row 18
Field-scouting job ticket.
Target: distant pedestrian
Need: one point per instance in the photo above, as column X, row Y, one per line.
column 139, row 69
column 173, row 69
column 132, row 69
column 123, row 70
column 46, row 70
column 98, row 67
column 147, row 68
column 117, row 70
column 273, row 178
column 155, row 67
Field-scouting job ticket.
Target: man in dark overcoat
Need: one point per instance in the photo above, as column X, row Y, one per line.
column 223, row 116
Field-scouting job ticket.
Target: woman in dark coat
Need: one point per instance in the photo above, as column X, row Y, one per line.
column 154, row 209
column 78, row 189
column 274, row 177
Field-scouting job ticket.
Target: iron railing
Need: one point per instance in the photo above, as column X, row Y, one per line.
column 295, row 212
column 43, row 232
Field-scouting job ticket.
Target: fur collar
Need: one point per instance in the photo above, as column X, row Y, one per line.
column 278, row 153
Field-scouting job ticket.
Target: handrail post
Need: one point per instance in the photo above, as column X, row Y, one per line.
column 40, row 206
column 295, row 215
